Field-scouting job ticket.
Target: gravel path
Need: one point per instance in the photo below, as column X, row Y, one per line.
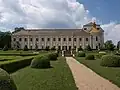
column 86, row 79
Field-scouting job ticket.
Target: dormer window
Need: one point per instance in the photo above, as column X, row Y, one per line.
column 85, row 28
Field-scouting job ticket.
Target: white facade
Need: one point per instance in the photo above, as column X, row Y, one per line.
column 64, row 39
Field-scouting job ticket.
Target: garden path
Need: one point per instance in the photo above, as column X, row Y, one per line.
column 86, row 79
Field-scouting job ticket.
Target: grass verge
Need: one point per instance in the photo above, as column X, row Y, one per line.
column 57, row 78
column 110, row 73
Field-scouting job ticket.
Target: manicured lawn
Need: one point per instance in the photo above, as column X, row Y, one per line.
column 57, row 78
column 112, row 74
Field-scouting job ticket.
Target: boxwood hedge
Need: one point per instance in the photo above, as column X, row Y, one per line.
column 6, row 82
column 90, row 57
column 110, row 61
column 13, row 65
column 40, row 62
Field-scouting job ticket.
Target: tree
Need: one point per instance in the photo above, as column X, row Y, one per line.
column 5, row 48
column 109, row 45
column 5, row 39
column 88, row 48
column 25, row 48
column 80, row 48
column 17, row 45
column 53, row 48
column 118, row 45
column 36, row 47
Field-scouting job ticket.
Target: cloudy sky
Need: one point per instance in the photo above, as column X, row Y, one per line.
column 61, row 14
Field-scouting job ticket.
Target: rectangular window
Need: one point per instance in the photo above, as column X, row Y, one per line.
column 86, row 39
column 64, row 39
column 31, row 39
column 37, row 39
column 14, row 39
column 59, row 47
column 54, row 39
column 59, row 39
column 42, row 39
column 48, row 39
column 74, row 39
column 69, row 39
column 80, row 39
column 20, row 39
column 25, row 39
column 96, row 38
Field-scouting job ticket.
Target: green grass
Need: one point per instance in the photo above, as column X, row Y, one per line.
column 110, row 73
column 57, row 78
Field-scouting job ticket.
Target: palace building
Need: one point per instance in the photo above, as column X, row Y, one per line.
column 63, row 39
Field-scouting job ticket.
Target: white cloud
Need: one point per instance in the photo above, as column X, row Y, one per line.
column 49, row 14
column 43, row 13
column 112, row 31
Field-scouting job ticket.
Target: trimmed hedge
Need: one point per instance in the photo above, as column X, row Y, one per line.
column 6, row 82
column 53, row 56
column 81, row 54
column 90, row 57
column 17, row 54
column 11, row 66
column 110, row 61
column 40, row 62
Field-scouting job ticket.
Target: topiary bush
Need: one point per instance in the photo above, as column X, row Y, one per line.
column 6, row 82
column 110, row 61
column 53, row 56
column 90, row 57
column 40, row 62
column 81, row 54
column 100, row 54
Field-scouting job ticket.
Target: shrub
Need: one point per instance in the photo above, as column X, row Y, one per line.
column 53, row 56
column 11, row 66
column 90, row 57
column 100, row 54
column 53, row 48
column 88, row 48
column 47, row 48
column 5, row 48
column 81, row 54
column 25, row 48
column 40, row 62
column 110, row 61
column 6, row 82
column 80, row 49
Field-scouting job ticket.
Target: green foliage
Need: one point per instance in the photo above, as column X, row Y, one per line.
column 11, row 66
column 118, row 45
column 6, row 82
column 53, row 56
column 5, row 39
column 25, row 48
column 80, row 49
column 81, row 54
column 100, row 54
column 109, row 45
column 57, row 78
column 90, row 57
column 110, row 61
column 47, row 48
column 17, row 54
column 88, row 48
column 5, row 48
column 36, row 47
column 53, row 48
column 40, row 62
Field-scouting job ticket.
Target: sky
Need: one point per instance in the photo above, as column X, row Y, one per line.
column 61, row 14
